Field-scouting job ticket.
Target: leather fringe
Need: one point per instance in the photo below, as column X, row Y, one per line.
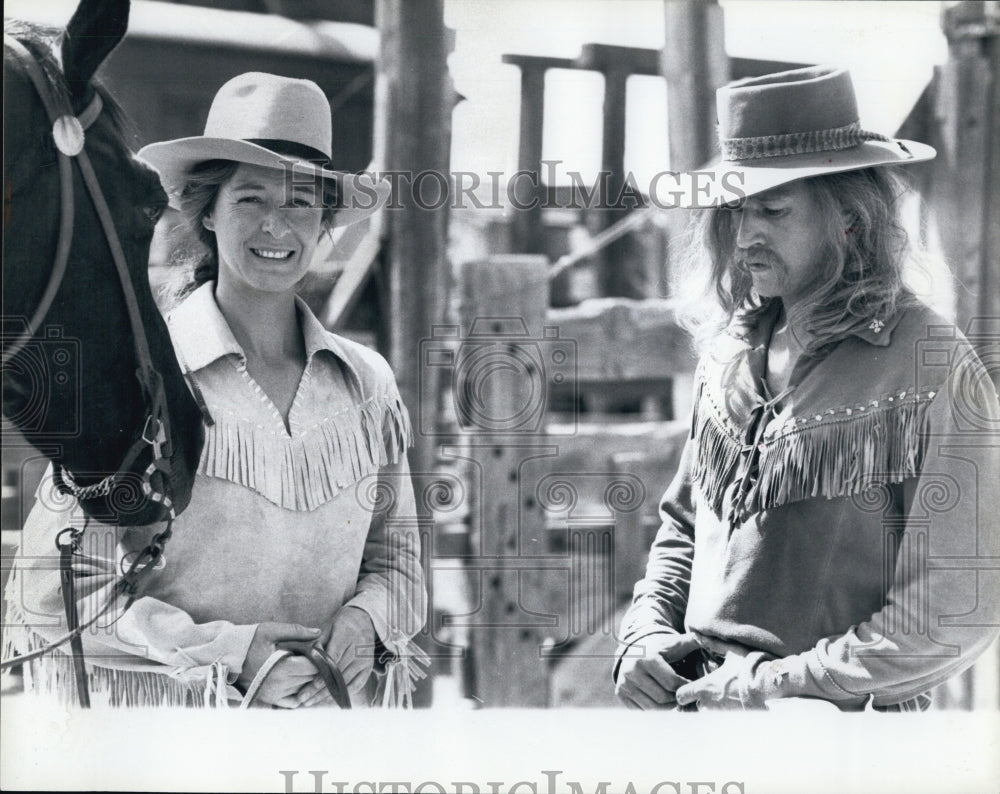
column 305, row 472
column 51, row 676
column 402, row 672
column 835, row 454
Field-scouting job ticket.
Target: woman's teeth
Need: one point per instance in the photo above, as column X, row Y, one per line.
column 268, row 254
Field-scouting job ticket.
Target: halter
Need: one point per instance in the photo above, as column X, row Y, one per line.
column 68, row 134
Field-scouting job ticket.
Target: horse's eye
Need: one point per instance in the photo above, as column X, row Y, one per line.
column 153, row 213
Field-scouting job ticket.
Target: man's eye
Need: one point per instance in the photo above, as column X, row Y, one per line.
column 301, row 202
column 248, row 200
column 774, row 212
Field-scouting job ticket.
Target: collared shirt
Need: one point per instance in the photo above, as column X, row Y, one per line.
column 285, row 524
column 846, row 529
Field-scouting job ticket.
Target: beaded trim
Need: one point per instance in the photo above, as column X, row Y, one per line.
column 826, row 140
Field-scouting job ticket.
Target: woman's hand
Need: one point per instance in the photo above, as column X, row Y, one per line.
column 352, row 647
column 289, row 675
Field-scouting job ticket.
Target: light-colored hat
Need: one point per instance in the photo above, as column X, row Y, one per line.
column 788, row 126
column 275, row 122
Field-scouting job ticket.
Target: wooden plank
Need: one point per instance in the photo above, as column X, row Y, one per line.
column 363, row 240
column 620, row 340
column 502, row 309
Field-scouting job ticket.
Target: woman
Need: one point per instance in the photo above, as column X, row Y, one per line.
column 297, row 529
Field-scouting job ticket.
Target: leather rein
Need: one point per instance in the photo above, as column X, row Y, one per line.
column 68, row 134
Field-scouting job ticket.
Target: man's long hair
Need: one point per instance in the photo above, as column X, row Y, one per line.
column 863, row 260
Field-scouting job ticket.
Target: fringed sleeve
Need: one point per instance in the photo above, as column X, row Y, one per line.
column 391, row 587
column 943, row 608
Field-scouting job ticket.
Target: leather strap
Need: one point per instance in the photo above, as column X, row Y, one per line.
column 262, row 674
column 328, row 670
column 72, row 617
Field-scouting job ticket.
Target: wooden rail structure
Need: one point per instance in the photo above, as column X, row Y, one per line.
column 559, row 511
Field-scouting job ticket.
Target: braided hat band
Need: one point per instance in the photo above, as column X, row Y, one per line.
column 829, row 140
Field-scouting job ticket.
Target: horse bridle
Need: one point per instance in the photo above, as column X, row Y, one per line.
column 68, row 135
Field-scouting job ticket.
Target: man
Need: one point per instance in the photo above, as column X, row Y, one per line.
column 832, row 531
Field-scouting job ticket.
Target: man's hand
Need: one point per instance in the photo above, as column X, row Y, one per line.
column 720, row 689
column 352, row 647
column 289, row 675
column 648, row 681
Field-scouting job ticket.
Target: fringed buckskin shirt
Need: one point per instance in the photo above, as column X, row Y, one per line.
column 845, row 534
column 284, row 524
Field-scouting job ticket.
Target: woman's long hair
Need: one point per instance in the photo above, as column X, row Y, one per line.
column 194, row 253
column 862, row 275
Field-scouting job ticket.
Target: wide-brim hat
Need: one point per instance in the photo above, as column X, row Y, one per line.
column 275, row 122
column 787, row 126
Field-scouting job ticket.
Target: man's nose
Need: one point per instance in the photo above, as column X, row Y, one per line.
column 749, row 232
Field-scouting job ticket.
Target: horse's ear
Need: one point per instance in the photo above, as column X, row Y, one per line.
column 94, row 31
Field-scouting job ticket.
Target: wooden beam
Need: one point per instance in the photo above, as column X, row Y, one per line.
column 695, row 65
column 740, row 68
column 619, row 340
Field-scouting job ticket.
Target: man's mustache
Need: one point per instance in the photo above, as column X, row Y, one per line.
column 756, row 256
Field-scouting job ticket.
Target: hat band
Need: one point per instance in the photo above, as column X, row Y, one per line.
column 809, row 142
column 292, row 149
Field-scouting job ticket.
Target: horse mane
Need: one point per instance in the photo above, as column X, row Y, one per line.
column 44, row 42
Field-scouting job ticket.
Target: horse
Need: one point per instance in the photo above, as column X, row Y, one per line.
column 89, row 374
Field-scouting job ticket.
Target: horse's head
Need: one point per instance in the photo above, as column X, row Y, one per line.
column 78, row 389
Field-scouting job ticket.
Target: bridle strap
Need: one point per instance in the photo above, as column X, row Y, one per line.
column 53, row 105
column 68, row 587
column 156, row 433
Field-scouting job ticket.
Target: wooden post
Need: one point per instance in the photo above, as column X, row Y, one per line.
column 622, row 271
column 502, row 314
column 695, row 64
column 526, row 236
column 414, row 100
column 968, row 162
column 965, row 197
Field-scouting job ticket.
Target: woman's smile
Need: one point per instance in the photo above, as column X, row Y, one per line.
column 272, row 253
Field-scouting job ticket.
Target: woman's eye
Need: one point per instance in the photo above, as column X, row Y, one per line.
column 774, row 212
